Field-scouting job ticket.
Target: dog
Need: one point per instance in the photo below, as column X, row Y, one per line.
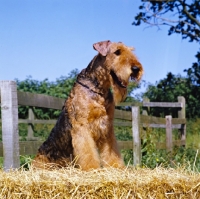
column 84, row 131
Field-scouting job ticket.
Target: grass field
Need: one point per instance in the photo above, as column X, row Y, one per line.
column 151, row 156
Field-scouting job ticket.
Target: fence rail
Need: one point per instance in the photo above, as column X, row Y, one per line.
column 11, row 98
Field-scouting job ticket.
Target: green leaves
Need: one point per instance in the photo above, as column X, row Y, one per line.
column 60, row 88
column 169, row 88
column 181, row 17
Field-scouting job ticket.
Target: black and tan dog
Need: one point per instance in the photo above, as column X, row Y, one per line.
column 84, row 129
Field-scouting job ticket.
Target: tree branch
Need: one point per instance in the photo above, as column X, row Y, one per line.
column 155, row 15
column 195, row 37
column 189, row 15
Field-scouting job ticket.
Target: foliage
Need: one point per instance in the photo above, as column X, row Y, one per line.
column 25, row 161
column 60, row 88
column 169, row 88
column 153, row 156
column 180, row 16
column 123, row 133
column 193, row 73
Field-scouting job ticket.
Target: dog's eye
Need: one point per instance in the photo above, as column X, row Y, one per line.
column 117, row 52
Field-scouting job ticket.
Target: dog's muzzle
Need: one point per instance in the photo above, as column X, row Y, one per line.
column 135, row 73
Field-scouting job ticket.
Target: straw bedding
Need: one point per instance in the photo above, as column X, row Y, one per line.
column 106, row 183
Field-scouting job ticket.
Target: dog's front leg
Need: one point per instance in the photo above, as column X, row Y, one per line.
column 109, row 152
column 85, row 149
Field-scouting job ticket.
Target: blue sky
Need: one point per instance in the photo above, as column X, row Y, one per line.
column 50, row 38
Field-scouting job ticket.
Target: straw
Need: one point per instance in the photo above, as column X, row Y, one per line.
column 103, row 183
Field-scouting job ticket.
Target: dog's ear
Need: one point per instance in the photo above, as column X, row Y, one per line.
column 102, row 47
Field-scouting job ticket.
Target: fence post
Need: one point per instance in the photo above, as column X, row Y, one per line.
column 169, row 144
column 147, row 109
column 31, row 117
column 10, row 136
column 181, row 114
column 136, row 135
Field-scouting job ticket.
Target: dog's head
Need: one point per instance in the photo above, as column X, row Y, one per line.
column 122, row 64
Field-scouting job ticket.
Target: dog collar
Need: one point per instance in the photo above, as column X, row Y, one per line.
column 85, row 86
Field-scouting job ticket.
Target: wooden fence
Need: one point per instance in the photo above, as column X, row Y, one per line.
column 10, row 147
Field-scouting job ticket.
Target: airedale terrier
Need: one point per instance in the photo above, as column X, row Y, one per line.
column 84, row 129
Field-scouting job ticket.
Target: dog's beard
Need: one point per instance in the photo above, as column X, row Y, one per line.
column 119, row 93
column 119, row 88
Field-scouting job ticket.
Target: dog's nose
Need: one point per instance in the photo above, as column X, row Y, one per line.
column 135, row 69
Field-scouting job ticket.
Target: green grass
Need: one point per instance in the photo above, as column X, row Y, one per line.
column 151, row 156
